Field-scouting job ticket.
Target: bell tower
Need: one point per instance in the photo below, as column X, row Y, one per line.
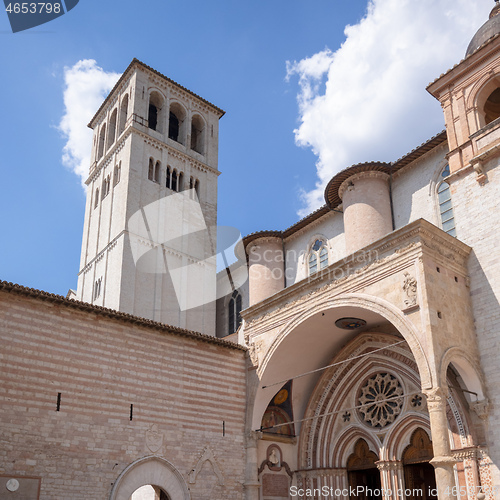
column 469, row 94
column 151, row 209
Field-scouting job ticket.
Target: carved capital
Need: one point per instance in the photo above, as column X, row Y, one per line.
column 436, row 398
column 253, row 438
column 444, row 461
column 390, row 465
column 481, row 408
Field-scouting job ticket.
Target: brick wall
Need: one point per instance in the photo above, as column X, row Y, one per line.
column 101, row 363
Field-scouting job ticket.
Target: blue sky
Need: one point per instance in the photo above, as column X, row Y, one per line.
column 281, row 138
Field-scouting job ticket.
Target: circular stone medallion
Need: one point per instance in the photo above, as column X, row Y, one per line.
column 379, row 397
column 12, row 485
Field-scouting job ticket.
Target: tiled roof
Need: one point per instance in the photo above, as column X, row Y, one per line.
column 112, row 314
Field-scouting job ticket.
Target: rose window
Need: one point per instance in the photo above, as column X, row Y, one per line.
column 379, row 397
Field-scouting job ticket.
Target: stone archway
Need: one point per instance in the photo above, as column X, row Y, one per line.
column 154, row 471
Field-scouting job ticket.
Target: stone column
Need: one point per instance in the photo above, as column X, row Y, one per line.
column 252, row 484
column 341, row 483
column 443, row 460
column 392, row 479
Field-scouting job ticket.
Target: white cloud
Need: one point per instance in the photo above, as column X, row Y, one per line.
column 374, row 105
column 86, row 86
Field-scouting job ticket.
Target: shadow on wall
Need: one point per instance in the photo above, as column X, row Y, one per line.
column 485, row 307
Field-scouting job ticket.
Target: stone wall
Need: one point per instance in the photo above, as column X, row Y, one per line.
column 476, row 209
column 187, row 392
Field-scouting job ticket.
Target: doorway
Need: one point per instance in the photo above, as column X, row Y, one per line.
column 362, row 472
column 420, row 479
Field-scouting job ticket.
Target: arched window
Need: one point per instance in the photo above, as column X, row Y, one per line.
column 151, row 170
column 318, row 257
column 180, row 182
column 157, row 171
column 97, row 288
column 234, row 316
column 197, row 134
column 174, row 180
column 117, row 173
column 173, row 127
column 96, row 201
column 154, row 111
column 123, row 113
column 176, row 123
column 106, row 185
column 445, row 204
column 168, row 182
column 100, row 145
column 112, row 128
column 492, row 107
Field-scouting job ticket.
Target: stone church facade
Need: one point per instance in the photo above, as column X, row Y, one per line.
column 359, row 359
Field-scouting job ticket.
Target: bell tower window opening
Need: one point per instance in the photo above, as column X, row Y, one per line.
column 176, row 119
column 123, row 113
column 180, row 181
column 152, row 117
column 96, row 202
column 492, row 107
column 154, row 111
column 234, row 312
column 318, row 257
column 112, row 128
column 100, row 145
column 197, row 134
column 173, row 127
column 445, row 204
